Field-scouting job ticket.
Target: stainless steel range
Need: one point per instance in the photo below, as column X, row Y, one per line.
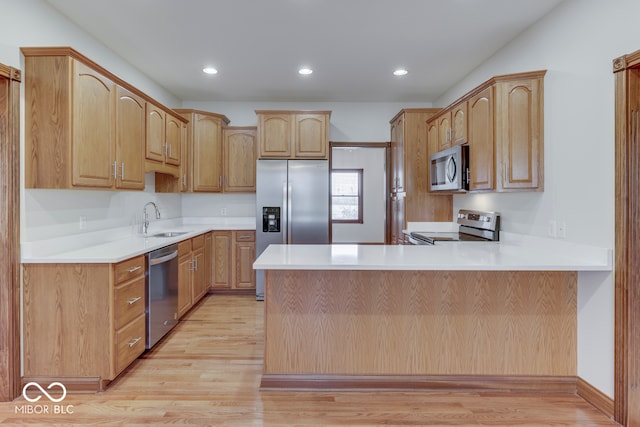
column 475, row 226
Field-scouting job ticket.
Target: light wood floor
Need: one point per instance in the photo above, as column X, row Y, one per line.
column 207, row 372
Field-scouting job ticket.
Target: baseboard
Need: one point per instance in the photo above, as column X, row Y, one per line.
column 73, row 385
column 449, row 383
column 595, row 397
column 224, row 291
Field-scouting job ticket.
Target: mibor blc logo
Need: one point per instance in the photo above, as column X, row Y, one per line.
column 33, row 392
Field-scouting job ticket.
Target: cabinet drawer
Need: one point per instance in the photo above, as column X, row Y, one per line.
column 245, row 236
column 129, row 269
column 129, row 302
column 130, row 343
column 184, row 247
column 197, row 242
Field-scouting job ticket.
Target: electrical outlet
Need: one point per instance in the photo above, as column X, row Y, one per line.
column 553, row 228
column 562, row 229
column 82, row 223
column 223, row 211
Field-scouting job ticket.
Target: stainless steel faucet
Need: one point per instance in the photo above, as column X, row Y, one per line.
column 145, row 224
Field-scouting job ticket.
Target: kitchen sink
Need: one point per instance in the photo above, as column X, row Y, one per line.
column 168, row 234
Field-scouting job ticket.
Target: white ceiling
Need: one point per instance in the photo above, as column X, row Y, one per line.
column 352, row 45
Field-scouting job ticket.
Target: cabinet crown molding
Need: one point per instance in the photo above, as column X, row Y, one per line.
column 328, row 112
column 492, row 81
column 74, row 54
column 183, row 111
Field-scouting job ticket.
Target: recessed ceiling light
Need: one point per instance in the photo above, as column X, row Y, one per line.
column 305, row 71
column 209, row 70
column 400, row 72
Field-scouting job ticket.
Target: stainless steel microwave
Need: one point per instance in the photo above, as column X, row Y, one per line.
column 449, row 169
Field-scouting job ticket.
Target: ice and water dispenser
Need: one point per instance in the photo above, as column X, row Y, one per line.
column 271, row 219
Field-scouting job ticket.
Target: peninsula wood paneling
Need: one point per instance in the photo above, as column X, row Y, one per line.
column 420, row 323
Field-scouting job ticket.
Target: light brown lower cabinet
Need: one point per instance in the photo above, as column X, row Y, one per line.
column 83, row 322
column 233, row 256
column 194, row 272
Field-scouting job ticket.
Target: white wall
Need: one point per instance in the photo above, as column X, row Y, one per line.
column 372, row 162
column 50, row 213
column 576, row 43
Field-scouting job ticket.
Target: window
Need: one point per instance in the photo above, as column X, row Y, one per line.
column 346, row 196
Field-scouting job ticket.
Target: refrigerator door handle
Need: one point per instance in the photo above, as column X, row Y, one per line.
column 285, row 213
column 289, row 212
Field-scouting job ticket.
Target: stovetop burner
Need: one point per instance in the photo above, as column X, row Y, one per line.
column 475, row 226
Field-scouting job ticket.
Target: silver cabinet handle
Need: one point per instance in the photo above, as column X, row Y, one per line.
column 122, row 172
column 136, row 268
column 134, row 300
column 115, row 169
column 134, row 341
column 244, row 237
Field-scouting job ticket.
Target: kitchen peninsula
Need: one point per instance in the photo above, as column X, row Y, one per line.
column 463, row 315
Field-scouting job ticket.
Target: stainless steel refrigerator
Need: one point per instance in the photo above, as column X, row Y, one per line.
column 292, row 200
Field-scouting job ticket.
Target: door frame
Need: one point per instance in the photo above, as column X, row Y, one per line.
column 627, row 239
column 9, row 232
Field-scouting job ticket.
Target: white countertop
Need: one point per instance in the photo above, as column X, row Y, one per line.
column 514, row 252
column 115, row 245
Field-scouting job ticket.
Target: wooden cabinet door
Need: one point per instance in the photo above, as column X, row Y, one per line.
column 444, row 131
column 245, row 277
column 208, row 260
column 198, row 285
column 274, row 135
column 481, row 140
column 519, row 134
column 207, row 154
column 185, row 277
column 239, row 160
column 93, row 139
column 459, row 124
column 130, row 140
column 311, row 139
column 173, row 140
column 397, row 153
column 155, row 140
column 222, row 259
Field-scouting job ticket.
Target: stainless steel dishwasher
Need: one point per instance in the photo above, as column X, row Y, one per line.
column 162, row 293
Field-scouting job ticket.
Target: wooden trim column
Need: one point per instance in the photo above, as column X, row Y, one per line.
column 627, row 239
column 9, row 233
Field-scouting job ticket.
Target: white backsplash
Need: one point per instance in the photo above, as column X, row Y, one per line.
column 219, row 205
column 54, row 213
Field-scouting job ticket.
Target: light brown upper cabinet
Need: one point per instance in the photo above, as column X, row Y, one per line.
column 481, row 137
column 163, row 140
column 504, row 120
column 202, row 167
column 86, row 127
column 452, row 126
column 69, row 113
column 204, row 142
column 239, row 148
column 130, row 137
column 519, row 139
column 293, row 134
